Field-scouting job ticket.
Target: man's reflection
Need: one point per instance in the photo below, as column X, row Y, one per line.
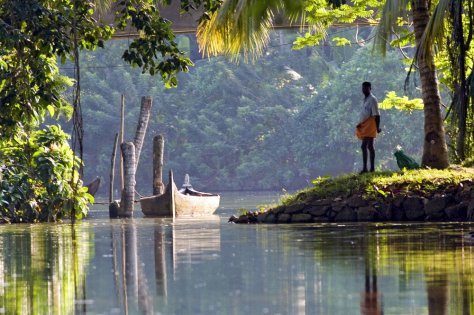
column 371, row 301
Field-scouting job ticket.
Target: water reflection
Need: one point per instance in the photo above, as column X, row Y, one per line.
column 133, row 283
column 160, row 261
column 182, row 242
column 371, row 298
column 206, row 266
column 43, row 268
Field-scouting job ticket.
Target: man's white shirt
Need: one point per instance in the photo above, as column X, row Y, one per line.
column 370, row 108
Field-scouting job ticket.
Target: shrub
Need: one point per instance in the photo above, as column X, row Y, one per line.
column 39, row 178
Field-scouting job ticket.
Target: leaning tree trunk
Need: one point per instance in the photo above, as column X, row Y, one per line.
column 435, row 151
column 143, row 119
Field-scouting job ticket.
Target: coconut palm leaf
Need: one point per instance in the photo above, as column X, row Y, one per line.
column 392, row 11
column 435, row 30
column 243, row 26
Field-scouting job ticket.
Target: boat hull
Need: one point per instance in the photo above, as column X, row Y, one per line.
column 184, row 204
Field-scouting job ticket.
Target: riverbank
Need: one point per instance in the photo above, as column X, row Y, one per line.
column 409, row 195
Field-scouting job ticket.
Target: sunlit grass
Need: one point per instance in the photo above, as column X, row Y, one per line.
column 382, row 183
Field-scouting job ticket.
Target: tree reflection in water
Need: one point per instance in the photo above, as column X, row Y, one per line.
column 181, row 243
column 43, row 268
column 210, row 267
column 134, row 284
column 407, row 268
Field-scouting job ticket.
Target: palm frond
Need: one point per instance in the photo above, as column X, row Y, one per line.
column 243, row 26
column 392, row 11
column 435, row 29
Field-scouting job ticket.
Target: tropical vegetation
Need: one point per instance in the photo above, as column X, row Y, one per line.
column 34, row 35
column 232, row 137
column 38, row 178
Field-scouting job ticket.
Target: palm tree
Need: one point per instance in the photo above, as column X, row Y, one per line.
column 446, row 29
column 435, row 151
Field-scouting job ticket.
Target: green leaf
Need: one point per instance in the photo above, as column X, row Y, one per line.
column 341, row 41
column 50, row 109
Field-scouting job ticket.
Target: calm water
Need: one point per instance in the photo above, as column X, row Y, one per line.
column 207, row 266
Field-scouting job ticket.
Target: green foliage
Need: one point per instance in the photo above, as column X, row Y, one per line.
column 243, row 28
column 341, row 41
column 405, row 37
column 446, row 34
column 243, row 211
column 156, row 38
column 401, row 103
column 38, row 176
column 34, row 36
column 208, row 6
column 322, row 15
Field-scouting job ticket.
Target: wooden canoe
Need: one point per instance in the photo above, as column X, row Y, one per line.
column 185, row 202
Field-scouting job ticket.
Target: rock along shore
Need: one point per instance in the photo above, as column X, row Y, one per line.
column 451, row 203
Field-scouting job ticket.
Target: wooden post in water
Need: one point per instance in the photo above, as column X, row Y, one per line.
column 172, row 204
column 143, row 119
column 114, row 206
column 112, row 170
column 128, row 193
column 122, row 135
column 158, row 149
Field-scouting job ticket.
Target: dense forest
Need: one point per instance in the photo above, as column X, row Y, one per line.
column 276, row 123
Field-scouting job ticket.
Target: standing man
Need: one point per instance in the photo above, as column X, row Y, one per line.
column 368, row 126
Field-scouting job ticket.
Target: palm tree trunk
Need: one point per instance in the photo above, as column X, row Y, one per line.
column 128, row 192
column 435, row 151
column 142, row 125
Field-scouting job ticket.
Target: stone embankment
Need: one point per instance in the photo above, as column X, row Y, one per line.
column 455, row 203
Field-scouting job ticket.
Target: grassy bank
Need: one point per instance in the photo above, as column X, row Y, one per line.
column 423, row 181
column 408, row 195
